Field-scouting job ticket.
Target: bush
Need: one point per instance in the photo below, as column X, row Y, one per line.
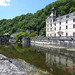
column 33, row 34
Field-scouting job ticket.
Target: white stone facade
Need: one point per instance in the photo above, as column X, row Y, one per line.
column 60, row 26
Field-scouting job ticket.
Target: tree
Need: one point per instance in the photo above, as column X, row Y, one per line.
column 33, row 34
column 37, row 21
column 19, row 36
column 43, row 31
column 26, row 34
column 72, row 9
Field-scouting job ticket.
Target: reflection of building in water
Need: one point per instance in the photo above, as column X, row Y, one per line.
column 61, row 62
column 26, row 44
column 58, row 60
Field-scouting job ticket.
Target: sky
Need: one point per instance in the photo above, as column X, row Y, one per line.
column 9, row 9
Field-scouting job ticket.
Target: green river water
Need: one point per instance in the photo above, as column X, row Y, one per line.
column 57, row 62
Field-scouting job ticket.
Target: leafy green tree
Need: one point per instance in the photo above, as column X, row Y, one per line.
column 26, row 34
column 33, row 34
column 72, row 9
column 36, row 22
column 43, row 31
column 19, row 36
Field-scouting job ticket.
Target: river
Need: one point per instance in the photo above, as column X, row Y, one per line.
column 55, row 61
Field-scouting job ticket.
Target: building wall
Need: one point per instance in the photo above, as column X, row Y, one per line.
column 62, row 24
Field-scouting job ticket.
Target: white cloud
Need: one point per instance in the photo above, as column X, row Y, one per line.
column 4, row 2
column 8, row 0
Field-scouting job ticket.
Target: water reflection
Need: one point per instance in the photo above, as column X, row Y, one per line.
column 60, row 62
column 4, row 43
column 26, row 44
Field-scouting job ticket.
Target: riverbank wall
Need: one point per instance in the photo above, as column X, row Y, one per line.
column 67, row 42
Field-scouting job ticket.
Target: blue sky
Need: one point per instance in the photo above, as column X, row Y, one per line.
column 12, row 8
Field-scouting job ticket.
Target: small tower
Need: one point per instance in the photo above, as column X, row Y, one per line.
column 53, row 14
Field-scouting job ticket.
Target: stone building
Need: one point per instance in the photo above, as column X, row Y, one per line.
column 60, row 26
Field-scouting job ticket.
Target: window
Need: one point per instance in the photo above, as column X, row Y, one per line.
column 47, row 29
column 50, row 17
column 55, row 19
column 51, row 25
column 73, row 33
column 73, row 25
column 47, row 25
column 60, row 28
column 47, row 34
column 74, row 20
column 47, row 21
column 55, row 29
column 50, row 20
column 66, row 21
column 55, row 24
column 54, row 34
column 66, row 27
column 66, row 34
column 60, row 23
column 67, row 16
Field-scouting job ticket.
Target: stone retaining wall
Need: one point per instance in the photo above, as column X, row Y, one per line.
column 69, row 43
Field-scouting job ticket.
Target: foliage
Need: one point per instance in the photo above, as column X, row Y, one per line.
column 43, row 31
column 19, row 36
column 26, row 34
column 72, row 9
column 33, row 34
column 37, row 21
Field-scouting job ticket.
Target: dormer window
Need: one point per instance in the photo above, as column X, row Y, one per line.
column 50, row 16
column 67, row 16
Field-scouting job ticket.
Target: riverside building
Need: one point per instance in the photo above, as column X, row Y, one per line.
column 60, row 26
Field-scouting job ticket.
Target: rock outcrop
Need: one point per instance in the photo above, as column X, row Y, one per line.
column 8, row 68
